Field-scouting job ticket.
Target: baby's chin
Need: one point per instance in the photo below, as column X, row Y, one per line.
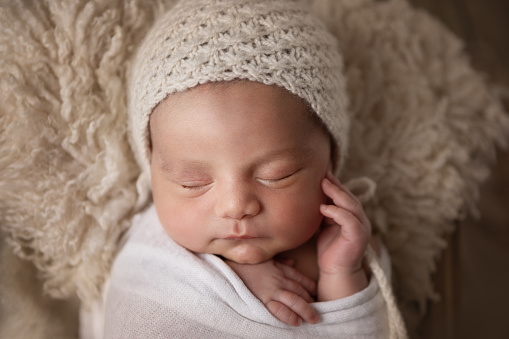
column 245, row 253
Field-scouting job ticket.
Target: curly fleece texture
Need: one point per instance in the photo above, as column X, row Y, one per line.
column 425, row 126
column 67, row 175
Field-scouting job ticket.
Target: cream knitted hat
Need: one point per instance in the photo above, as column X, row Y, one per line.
column 275, row 42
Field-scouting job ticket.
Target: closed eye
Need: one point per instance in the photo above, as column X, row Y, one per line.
column 194, row 186
column 187, row 187
column 279, row 179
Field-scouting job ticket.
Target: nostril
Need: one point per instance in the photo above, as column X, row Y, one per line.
column 253, row 208
column 237, row 208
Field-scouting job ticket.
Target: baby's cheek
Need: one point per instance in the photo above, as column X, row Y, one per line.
column 183, row 233
column 301, row 216
column 311, row 210
column 179, row 224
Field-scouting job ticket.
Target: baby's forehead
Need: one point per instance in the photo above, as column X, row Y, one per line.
column 214, row 93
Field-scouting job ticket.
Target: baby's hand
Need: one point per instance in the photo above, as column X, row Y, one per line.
column 342, row 243
column 285, row 291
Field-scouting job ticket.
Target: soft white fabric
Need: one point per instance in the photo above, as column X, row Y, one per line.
column 158, row 289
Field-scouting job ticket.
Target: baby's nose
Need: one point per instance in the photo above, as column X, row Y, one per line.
column 237, row 201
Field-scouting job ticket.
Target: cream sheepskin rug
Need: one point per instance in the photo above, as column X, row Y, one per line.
column 425, row 128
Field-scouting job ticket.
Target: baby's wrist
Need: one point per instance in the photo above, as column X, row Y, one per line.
column 337, row 285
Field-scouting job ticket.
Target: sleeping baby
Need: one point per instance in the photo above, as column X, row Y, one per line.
column 238, row 119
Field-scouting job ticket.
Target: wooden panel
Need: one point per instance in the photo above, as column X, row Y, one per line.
column 474, row 272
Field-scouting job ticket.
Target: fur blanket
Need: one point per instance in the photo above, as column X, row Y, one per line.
column 425, row 128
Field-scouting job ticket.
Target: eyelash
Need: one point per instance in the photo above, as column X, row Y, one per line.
column 197, row 187
column 282, row 178
column 192, row 187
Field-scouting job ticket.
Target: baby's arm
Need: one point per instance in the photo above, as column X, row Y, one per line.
column 342, row 243
column 285, row 292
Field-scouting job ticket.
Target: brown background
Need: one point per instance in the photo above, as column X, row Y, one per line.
column 477, row 270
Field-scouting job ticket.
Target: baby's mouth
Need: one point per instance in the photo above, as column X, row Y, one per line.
column 239, row 237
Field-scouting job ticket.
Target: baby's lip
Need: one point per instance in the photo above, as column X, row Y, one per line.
column 239, row 237
column 240, row 231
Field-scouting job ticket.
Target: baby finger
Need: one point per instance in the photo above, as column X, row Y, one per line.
column 351, row 227
column 283, row 313
column 341, row 197
column 297, row 305
column 296, row 288
column 291, row 273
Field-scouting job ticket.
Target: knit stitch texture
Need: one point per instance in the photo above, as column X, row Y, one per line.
column 273, row 42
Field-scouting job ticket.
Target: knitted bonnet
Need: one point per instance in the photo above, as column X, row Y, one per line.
column 274, row 42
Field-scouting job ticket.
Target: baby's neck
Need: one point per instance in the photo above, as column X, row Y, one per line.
column 304, row 258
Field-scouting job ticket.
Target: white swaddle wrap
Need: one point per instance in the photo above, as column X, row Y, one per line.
column 158, row 289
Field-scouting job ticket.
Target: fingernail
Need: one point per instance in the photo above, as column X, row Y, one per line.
column 332, row 178
column 316, row 319
column 327, row 181
column 324, row 209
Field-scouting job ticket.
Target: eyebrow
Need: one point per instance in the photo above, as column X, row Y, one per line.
column 298, row 153
column 184, row 165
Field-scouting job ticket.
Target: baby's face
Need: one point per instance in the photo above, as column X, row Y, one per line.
column 236, row 170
